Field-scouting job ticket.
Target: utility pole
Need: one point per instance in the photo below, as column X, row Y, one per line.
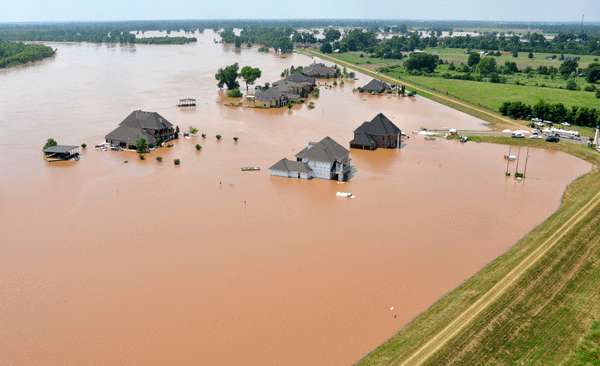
column 508, row 158
column 518, row 157
column 526, row 158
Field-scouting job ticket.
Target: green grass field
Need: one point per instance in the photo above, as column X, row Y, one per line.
column 542, row 318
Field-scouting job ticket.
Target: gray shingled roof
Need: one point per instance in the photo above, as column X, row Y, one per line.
column 268, row 95
column 325, row 150
column 130, row 135
column 61, row 149
column 148, row 120
column 363, row 139
column 377, row 85
column 380, row 125
column 299, row 78
column 291, row 166
column 318, row 70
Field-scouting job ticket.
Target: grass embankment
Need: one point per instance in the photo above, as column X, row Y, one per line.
column 548, row 300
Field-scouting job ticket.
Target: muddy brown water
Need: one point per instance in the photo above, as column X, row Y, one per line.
column 106, row 262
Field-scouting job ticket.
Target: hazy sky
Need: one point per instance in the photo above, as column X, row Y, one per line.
column 100, row 10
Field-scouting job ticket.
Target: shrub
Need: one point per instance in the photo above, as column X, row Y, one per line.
column 125, row 162
column 193, row 130
column 142, row 157
column 198, row 147
column 590, row 88
column 263, row 49
column 50, row 142
column 494, row 78
column 234, row 93
column 335, row 82
column 411, row 93
column 235, row 139
column 598, row 93
column 159, row 159
column 176, row 161
column 83, row 145
column 218, row 137
column 572, row 85
column 203, row 135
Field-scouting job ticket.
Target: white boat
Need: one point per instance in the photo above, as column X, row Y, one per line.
column 510, row 157
column 345, row 194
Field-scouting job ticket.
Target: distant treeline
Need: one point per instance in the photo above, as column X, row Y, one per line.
column 359, row 40
column 13, row 53
column 278, row 38
column 88, row 35
column 557, row 113
column 166, row 40
column 190, row 25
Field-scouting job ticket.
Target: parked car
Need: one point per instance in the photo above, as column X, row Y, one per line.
column 539, row 124
column 566, row 124
column 464, row 139
column 517, row 135
column 117, row 148
column 536, row 136
column 552, row 139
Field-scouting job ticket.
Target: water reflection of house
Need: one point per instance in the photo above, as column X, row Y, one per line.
column 377, row 86
column 319, row 70
column 380, row 132
column 325, row 159
column 149, row 125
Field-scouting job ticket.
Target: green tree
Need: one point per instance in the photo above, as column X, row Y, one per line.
column 142, row 157
column 592, row 73
column 568, row 67
column 494, row 77
column 331, row 35
column 84, row 145
column 530, row 55
column 159, row 159
column 228, row 76
column 572, row 84
column 193, row 130
column 486, row 66
column 141, row 145
column 238, row 42
column 474, row 59
column 421, row 61
column 176, row 161
column 235, row 139
column 50, row 142
column 515, row 54
column 218, row 137
column 198, row 147
column 250, row 74
column 326, row 47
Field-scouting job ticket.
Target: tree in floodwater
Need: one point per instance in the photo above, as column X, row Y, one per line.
column 250, row 74
column 141, row 145
column 50, row 142
column 228, row 76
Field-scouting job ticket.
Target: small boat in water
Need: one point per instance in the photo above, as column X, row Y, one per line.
column 345, row 194
column 250, row 168
column 510, row 157
column 429, row 138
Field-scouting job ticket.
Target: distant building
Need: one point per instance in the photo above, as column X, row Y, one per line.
column 319, row 70
column 377, row 86
column 380, row 132
column 325, row 159
column 149, row 125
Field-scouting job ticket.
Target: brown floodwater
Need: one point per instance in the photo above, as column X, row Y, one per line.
column 103, row 262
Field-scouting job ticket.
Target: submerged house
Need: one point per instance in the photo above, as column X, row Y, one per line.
column 377, row 86
column 380, row 132
column 270, row 98
column 61, row 152
column 325, row 159
column 139, row 124
column 319, row 70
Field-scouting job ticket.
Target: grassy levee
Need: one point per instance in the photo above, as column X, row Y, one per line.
column 541, row 314
column 496, row 121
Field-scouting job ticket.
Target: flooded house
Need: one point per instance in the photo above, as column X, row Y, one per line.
column 319, row 70
column 290, row 89
column 377, row 86
column 325, row 159
column 139, row 124
column 380, row 132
